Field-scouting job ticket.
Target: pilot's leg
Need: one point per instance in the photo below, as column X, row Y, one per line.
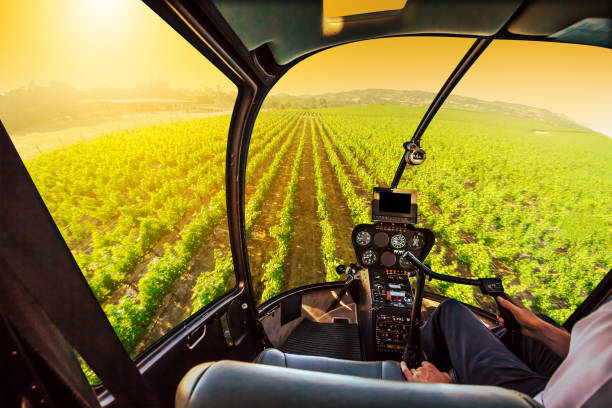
column 536, row 355
column 454, row 337
column 532, row 352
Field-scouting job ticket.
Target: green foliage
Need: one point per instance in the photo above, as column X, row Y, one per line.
column 357, row 205
column 115, row 197
column 501, row 199
column 212, row 284
column 131, row 316
column 162, row 273
column 328, row 240
column 165, row 163
column 108, row 183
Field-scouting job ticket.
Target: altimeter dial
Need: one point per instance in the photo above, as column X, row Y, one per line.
column 369, row 257
column 363, row 238
column 398, row 241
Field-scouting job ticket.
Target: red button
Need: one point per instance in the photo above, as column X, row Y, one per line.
column 389, row 295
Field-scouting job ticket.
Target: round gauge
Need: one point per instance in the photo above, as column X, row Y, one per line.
column 388, row 258
column 363, row 238
column 417, row 241
column 398, row 241
column 405, row 263
column 378, row 286
column 369, row 257
column 381, row 239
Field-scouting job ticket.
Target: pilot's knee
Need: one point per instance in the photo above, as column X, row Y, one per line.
column 451, row 306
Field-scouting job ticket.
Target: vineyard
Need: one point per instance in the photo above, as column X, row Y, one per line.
column 144, row 210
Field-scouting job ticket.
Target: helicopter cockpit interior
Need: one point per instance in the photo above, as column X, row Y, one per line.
column 246, row 203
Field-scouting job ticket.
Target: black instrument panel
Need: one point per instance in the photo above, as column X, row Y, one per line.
column 380, row 245
column 386, row 317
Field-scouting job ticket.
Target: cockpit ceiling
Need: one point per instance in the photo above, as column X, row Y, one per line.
column 292, row 29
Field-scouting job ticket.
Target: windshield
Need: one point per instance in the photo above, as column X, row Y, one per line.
column 319, row 187
column 123, row 127
column 531, row 160
column 517, row 179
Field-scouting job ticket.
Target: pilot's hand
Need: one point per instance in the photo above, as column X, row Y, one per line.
column 426, row 373
column 530, row 324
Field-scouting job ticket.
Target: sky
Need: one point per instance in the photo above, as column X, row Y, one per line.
column 91, row 43
column 574, row 80
column 120, row 43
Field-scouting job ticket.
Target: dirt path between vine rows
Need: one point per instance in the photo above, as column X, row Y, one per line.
column 304, row 264
column 339, row 213
column 260, row 244
column 355, row 181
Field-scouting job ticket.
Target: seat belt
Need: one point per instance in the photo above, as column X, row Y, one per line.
column 38, row 264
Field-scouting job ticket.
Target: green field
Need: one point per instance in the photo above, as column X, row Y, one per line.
column 143, row 210
column 506, row 196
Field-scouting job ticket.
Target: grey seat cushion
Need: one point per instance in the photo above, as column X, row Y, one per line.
column 384, row 370
column 233, row 384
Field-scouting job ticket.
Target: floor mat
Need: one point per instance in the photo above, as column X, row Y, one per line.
column 336, row 340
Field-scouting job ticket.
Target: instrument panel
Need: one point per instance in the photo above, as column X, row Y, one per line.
column 391, row 332
column 380, row 245
column 391, row 289
column 379, row 248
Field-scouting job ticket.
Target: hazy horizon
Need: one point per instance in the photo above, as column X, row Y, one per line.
column 163, row 86
column 117, row 44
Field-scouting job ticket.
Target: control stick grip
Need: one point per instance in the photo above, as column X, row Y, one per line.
column 510, row 322
column 513, row 328
column 494, row 287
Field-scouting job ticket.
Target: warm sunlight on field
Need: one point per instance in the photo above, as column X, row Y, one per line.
column 123, row 127
column 143, row 210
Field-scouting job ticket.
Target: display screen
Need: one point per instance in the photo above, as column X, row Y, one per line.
column 394, row 202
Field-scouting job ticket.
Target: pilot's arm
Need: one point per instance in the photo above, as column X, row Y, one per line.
column 555, row 338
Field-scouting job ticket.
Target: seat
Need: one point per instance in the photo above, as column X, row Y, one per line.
column 233, row 384
column 383, row 370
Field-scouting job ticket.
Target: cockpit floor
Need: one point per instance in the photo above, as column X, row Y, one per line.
column 336, row 340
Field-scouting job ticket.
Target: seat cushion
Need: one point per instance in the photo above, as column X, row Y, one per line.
column 233, row 384
column 384, row 370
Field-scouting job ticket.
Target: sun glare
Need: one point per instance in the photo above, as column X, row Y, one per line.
column 103, row 8
column 98, row 15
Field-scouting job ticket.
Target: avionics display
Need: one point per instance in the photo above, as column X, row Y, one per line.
column 394, row 202
column 394, row 205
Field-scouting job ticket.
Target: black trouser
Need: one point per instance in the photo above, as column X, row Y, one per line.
column 454, row 337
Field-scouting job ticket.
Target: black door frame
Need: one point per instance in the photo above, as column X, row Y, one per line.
column 254, row 74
